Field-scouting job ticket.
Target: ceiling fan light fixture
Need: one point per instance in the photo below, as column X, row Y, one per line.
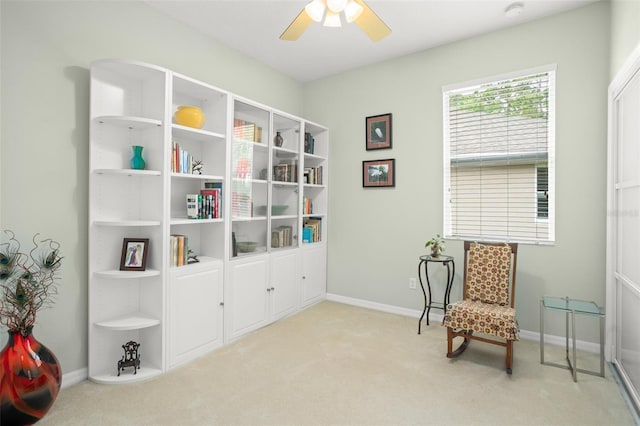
column 332, row 19
column 352, row 11
column 315, row 10
column 336, row 6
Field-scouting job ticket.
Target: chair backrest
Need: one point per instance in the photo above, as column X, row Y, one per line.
column 490, row 272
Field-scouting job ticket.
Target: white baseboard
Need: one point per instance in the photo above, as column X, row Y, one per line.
column 436, row 318
column 74, row 377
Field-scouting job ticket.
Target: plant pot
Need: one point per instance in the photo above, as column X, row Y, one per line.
column 30, row 379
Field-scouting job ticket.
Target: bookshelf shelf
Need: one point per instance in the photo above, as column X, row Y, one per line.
column 127, row 275
column 128, row 172
column 127, row 223
column 142, row 374
column 129, row 122
column 187, row 221
column 135, row 321
column 196, row 134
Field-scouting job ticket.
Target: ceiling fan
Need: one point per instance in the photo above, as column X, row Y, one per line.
column 354, row 11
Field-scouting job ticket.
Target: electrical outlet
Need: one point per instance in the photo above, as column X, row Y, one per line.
column 412, row 283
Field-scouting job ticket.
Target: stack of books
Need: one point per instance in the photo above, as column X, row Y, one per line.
column 178, row 249
column 282, row 236
column 246, row 130
column 286, row 172
column 207, row 204
column 308, row 143
column 313, row 175
column 181, row 160
column 311, row 231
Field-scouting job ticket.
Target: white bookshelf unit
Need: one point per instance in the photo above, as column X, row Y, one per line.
column 272, row 197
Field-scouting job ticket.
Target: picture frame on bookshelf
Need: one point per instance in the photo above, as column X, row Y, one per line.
column 378, row 131
column 134, row 254
column 379, row 173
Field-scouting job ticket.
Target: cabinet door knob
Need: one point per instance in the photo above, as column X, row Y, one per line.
column 273, row 288
column 221, row 303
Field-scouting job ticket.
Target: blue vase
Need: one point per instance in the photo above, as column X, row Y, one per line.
column 137, row 162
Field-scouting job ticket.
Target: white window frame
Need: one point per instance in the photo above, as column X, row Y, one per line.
column 447, row 205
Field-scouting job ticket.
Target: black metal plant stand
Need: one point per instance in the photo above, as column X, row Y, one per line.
column 428, row 303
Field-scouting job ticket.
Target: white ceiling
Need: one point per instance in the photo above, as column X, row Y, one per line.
column 253, row 27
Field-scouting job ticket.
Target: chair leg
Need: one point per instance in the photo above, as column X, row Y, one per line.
column 461, row 347
column 509, row 355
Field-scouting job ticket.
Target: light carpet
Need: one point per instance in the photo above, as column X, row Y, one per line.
column 335, row 364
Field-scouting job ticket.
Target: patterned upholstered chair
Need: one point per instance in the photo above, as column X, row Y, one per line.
column 487, row 306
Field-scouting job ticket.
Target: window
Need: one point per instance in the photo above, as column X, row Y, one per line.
column 499, row 137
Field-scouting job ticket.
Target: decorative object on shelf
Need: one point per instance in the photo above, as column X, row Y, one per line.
column 276, row 209
column 189, row 116
column 30, row 374
column 378, row 173
column 196, row 167
column 278, row 140
column 378, row 131
column 137, row 162
column 436, row 244
column 131, row 358
column 246, row 246
column 134, row 254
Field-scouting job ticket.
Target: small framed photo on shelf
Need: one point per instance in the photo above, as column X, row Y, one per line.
column 134, row 254
column 379, row 173
column 378, row 131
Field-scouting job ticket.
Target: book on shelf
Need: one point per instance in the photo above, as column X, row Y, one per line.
column 217, row 186
column 307, row 206
column 308, row 143
column 178, row 249
column 192, row 206
column 246, row 130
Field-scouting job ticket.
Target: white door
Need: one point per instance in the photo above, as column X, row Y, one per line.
column 314, row 274
column 195, row 313
column 284, row 290
column 246, row 296
column 623, row 268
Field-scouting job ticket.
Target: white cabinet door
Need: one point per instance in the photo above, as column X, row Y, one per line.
column 284, row 289
column 195, row 311
column 246, row 296
column 314, row 274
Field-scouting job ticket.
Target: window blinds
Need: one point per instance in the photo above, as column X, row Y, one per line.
column 498, row 158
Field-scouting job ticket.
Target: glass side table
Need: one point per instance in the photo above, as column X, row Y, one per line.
column 571, row 307
column 428, row 303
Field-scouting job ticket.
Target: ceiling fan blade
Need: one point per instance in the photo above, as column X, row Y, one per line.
column 371, row 24
column 297, row 27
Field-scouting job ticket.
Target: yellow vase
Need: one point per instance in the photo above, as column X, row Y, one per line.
column 189, row 116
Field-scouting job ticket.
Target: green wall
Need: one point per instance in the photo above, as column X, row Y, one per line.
column 376, row 235
column 47, row 48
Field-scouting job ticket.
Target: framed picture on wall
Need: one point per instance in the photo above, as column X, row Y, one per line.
column 378, row 131
column 134, row 254
column 379, row 173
